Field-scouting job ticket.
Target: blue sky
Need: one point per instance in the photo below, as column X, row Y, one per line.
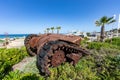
column 34, row 16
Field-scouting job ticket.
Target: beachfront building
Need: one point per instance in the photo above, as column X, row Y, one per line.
column 77, row 33
column 94, row 36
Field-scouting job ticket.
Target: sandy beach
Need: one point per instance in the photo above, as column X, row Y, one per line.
column 14, row 44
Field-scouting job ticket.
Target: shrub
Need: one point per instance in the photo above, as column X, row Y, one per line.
column 9, row 57
column 102, row 64
column 107, row 63
column 98, row 45
column 114, row 41
column 17, row 75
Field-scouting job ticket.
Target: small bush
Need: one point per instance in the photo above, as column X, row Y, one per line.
column 9, row 57
column 114, row 41
column 107, row 63
column 17, row 75
column 98, row 45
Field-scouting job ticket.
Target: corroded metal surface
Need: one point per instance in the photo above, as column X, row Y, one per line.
column 54, row 49
column 58, row 58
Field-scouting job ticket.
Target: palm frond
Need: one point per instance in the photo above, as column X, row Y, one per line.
column 59, row 27
column 111, row 21
column 98, row 23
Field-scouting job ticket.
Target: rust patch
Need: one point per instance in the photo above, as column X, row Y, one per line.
column 57, row 58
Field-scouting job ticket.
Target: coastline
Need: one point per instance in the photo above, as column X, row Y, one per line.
column 13, row 43
column 2, row 36
column 15, row 40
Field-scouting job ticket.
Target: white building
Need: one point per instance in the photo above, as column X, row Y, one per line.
column 77, row 33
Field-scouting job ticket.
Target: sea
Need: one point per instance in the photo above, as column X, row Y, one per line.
column 13, row 35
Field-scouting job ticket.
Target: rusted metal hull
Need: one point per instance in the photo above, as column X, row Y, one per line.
column 52, row 50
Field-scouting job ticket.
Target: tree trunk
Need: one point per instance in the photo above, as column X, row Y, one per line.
column 102, row 35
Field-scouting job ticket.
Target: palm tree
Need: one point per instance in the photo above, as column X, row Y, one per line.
column 58, row 29
column 48, row 29
column 102, row 22
column 52, row 28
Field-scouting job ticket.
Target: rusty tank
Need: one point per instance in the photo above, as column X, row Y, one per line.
column 54, row 49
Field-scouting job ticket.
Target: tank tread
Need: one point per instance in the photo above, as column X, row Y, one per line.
column 54, row 53
column 30, row 50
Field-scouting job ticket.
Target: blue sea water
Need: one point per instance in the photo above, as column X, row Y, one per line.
column 13, row 35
